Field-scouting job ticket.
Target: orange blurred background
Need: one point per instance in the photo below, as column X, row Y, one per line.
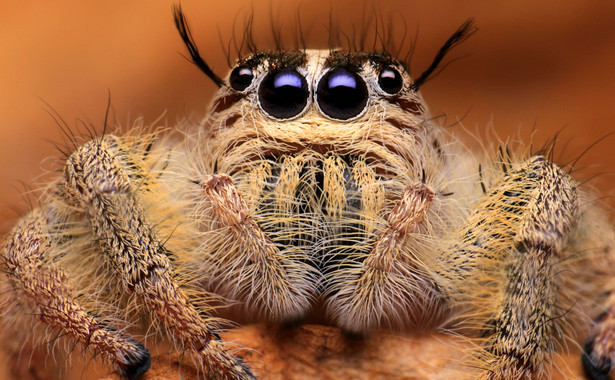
column 548, row 65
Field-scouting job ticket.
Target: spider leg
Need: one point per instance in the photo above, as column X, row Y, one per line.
column 47, row 287
column 269, row 282
column 391, row 286
column 100, row 180
column 522, row 225
column 599, row 352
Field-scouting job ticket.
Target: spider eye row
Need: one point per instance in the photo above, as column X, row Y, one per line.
column 341, row 93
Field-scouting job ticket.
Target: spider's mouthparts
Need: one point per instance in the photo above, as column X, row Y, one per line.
column 324, row 204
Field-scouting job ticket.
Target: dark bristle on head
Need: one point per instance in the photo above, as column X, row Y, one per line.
column 467, row 29
column 186, row 35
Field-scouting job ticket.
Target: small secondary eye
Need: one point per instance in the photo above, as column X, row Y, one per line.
column 283, row 94
column 342, row 94
column 390, row 81
column 241, row 77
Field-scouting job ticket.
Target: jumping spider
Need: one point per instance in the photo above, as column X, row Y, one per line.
column 317, row 182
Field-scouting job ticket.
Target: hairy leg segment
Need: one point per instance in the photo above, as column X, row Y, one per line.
column 48, row 289
column 513, row 241
column 101, row 182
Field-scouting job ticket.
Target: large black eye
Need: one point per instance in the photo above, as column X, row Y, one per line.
column 390, row 81
column 283, row 94
column 241, row 77
column 342, row 94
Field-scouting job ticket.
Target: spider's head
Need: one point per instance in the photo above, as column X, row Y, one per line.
column 318, row 102
column 320, row 146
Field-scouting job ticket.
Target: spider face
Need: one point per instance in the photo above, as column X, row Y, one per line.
column 320, row 145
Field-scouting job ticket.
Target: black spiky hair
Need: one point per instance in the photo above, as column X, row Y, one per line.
column 356, row 42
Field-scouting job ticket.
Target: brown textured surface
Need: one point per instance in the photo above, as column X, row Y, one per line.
column 548, row 65
column 318, row 352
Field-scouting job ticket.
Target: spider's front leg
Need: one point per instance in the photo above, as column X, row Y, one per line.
column 393, row 284
column 271, row 282
column 41, row 287
column 102, row 179
column 516, row 237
